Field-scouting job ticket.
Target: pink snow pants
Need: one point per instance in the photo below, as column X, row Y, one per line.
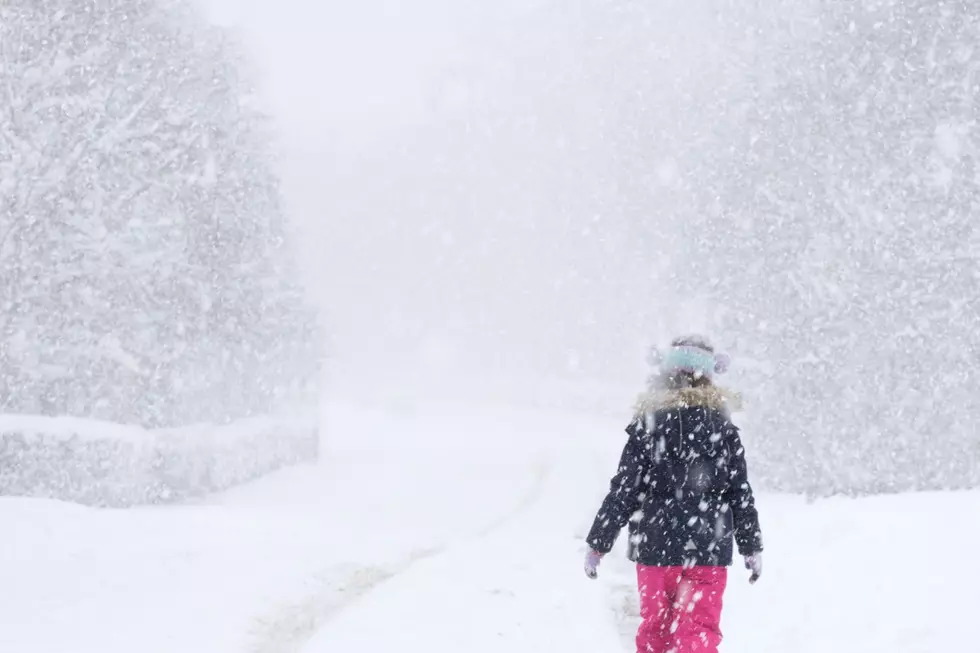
column 681, row 609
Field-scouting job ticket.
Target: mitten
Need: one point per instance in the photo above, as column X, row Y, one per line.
column 753, row 563
column 592, row 559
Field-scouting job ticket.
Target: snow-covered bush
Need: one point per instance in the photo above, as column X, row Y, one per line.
column 144, row 272
column 104, row 464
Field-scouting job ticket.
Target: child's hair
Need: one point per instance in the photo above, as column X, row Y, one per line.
column 679, row 379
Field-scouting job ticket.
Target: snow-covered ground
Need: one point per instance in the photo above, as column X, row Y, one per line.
column 446, row 528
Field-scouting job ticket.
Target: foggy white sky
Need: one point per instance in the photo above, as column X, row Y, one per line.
column 463, row 205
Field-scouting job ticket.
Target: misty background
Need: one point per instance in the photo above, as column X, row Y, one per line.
column 514, row 200
column 535, row 192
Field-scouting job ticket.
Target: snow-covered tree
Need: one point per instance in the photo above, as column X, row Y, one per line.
column 144, row 271
column 841, row 205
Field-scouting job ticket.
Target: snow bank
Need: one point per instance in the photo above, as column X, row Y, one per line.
column 112, row 465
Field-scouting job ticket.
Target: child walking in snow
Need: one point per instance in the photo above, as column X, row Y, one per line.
column 683, row 487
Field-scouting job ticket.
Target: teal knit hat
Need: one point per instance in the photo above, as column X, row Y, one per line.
column 694, row 354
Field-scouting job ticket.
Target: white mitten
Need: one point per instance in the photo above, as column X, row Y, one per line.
column 753, row 563
column 592, row 559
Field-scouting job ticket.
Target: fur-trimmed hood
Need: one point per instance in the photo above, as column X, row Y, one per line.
column 710, row 396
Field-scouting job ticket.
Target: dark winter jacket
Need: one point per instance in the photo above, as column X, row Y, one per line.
column 682, row 479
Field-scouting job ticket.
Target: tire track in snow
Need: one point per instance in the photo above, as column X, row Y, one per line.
column 291, row 625
column 541, row 472
column 288, row 627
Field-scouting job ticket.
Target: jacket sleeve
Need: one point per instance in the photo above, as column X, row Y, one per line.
column 741, row 501
column 624, row 497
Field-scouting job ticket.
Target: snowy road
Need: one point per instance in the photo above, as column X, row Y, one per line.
column 514, row 586
column 457, row 529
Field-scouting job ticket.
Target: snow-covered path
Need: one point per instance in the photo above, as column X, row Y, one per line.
column 448, row 527
column 515, row 586
column 261, row 568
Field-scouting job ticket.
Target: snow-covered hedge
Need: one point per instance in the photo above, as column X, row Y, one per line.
column 105, row 464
